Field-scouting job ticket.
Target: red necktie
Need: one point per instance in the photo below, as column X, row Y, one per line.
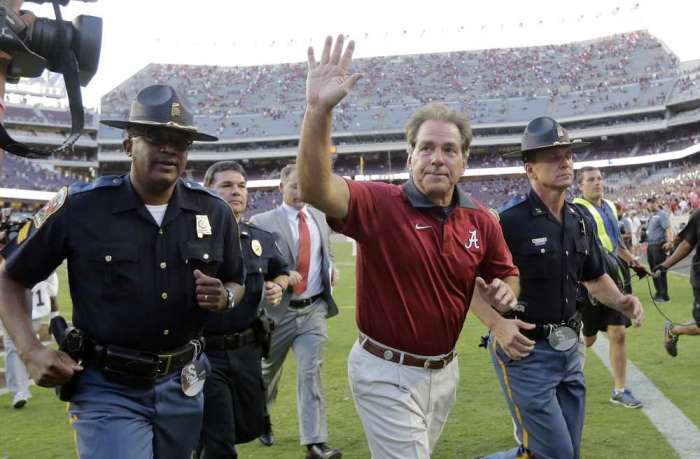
column 303, row 254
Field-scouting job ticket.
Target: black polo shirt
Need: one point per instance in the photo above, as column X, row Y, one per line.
column 552, row 257
column 263, row 261
column 691, row 234
column 131, row 281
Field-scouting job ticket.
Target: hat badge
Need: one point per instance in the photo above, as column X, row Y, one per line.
column 175, row 110
column 560, row 131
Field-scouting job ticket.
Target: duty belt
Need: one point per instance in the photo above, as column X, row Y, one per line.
column 542, row 331
column 140, row 368
column 230, row 342
column 300, row 304
column 404, row 358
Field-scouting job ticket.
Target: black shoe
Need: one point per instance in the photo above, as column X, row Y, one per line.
column 660, row 299
column 267, row 439
column 322, row 451
column 666, row 298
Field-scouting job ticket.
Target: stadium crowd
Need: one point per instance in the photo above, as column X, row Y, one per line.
column 16, row 172
column 620, row 72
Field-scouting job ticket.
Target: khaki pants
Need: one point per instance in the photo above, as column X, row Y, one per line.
column 403, row 409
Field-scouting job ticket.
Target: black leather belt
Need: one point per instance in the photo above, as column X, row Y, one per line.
column 542, row 331
column 230, row 342
column 306, row 302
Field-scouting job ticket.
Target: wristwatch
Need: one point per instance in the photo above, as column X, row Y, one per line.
column 230, row 298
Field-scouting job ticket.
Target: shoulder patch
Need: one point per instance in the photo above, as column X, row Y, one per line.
column 514, row 201
column 24, row 232
column 50, row 208
column 100, row 182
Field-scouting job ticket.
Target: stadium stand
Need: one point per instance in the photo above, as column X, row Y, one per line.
column 38, row 115
column 621, row 72
column 627, row 94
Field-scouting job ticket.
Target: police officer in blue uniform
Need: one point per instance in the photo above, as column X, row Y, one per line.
column 554, row 248
column 234, row 394
column 149, row 255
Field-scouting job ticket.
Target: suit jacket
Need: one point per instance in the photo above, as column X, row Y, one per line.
column 275, row 221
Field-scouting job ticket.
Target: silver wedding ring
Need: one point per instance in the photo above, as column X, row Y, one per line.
column 206, row 297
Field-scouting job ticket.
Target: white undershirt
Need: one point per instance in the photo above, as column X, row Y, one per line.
column 158, row 212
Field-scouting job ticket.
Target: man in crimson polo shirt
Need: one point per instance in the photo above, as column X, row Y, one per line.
column 425, row 252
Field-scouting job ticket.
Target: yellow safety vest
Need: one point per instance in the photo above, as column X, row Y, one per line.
column 603, row 236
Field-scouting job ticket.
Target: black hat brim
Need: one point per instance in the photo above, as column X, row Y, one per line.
column 575, row 145
column 122, row 124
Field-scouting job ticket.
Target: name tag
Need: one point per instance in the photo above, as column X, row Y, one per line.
column 539, row 242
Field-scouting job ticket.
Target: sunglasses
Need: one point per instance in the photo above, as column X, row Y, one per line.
column 163, row 137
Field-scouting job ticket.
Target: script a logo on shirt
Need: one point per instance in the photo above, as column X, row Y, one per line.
column 473, row 241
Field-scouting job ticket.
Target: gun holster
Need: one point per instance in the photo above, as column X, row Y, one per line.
column 263, row 326
column 73, row 342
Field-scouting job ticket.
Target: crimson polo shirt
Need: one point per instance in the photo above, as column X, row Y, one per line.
column 417, row 263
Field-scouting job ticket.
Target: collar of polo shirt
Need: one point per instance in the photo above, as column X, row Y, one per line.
column 420, row 200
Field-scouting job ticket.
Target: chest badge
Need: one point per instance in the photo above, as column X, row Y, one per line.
column 256, row 246
column 203, row 226
column 473, row 241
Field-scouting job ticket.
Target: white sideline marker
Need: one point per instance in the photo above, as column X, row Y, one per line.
column 679, row 431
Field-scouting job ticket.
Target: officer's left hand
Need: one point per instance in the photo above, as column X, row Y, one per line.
column 273, row 292
column 210, row 291
column 498, row 294
column 632, row 308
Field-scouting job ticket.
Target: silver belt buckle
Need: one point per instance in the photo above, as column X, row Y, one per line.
column 562, row 337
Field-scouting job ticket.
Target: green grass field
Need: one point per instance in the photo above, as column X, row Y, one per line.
column 479, row 422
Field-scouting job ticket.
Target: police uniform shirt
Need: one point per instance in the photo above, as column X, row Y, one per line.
column 691, row 234
column 131, row 281
column 656, row 227
column 552, row 257
column 263, row 261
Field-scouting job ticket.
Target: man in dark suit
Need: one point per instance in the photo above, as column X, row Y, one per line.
column 300, row 319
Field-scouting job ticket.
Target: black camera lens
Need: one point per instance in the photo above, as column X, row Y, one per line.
column 83, row 35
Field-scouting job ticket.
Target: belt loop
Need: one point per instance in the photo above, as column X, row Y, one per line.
column 169, row 361
column 197, row 348
column 363, row 339
column 401, row 356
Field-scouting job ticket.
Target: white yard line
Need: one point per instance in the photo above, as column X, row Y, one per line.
column 679, row 431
